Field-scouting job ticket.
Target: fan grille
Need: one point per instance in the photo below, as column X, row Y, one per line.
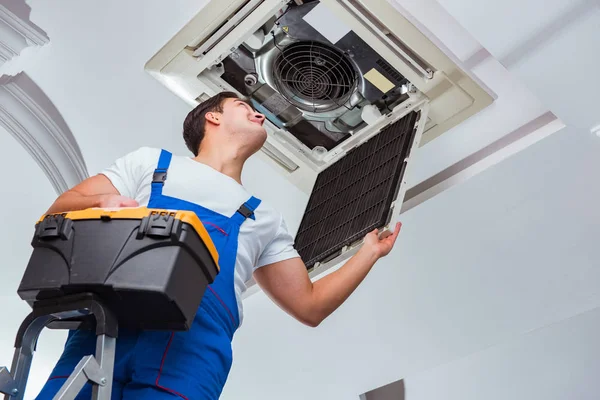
column 314, row 76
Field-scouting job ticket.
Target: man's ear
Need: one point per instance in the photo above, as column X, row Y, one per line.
column 213, row 117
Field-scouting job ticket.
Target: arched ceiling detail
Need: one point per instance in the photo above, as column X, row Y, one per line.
column 17, row 32
column 31, row 118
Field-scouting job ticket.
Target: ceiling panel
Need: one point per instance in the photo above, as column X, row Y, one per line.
column 502, row 25
column 551, row 46
column 439, row 24
column 515, row 106
column 564, row 73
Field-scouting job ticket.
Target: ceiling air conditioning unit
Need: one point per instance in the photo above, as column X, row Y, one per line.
column 349, row 88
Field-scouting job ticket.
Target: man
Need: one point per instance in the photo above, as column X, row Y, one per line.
column 251, row 238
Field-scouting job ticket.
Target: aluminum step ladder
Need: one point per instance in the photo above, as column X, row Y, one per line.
column 78, row 311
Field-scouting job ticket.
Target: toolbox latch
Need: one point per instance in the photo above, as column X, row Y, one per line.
column 158, row 225
column 54, row 226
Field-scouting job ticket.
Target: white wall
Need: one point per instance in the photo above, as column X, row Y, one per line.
column 26, row 195
column 554, row 362
column 557, row 362
column 508, row 252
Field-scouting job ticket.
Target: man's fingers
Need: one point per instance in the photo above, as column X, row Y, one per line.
column 128, row 203
column 392, row 238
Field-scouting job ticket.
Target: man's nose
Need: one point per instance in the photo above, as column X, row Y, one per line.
column 260, row 117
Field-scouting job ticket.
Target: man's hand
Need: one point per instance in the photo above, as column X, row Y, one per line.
column 381, row 247
column 95, row 191
column 287, row 282
column 116, row 201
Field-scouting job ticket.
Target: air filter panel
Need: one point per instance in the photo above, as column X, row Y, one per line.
column 353, row 196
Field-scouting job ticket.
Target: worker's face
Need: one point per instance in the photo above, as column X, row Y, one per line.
column 240, row 119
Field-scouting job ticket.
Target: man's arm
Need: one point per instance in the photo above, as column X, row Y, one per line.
column 96, row 191
column 287, row 282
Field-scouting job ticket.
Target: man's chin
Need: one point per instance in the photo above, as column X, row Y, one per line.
column 260, row 130
column 263, row 139
column 259, row 137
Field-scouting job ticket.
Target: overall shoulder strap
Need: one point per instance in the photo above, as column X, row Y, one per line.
column 246, row 210
column 160, row 173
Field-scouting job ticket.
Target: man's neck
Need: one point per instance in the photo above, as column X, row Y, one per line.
column 227, row 164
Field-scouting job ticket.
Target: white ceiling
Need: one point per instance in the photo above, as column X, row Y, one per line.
column 550, row 45
column 511, row 250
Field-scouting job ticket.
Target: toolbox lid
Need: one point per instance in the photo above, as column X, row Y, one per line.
column 139, row 213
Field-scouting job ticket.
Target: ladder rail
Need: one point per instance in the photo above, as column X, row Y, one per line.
column 98, row 368
column 25, row 345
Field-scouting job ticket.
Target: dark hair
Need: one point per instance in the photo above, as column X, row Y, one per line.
column 194, row 124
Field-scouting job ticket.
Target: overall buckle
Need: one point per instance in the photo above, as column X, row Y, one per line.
column 245, row 211
column 159, row 176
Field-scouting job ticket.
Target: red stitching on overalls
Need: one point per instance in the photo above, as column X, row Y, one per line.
column 224, row 305
column 219, row 228
column 161, row 367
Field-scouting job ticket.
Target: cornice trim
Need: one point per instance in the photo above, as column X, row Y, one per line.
column 17, row 32
column 31, row 118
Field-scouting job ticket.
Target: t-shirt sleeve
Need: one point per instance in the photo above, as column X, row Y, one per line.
column 280, row 248
column 126, row 172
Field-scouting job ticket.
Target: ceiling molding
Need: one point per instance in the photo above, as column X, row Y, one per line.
column 484, row 158
column 16, row 30
column 31, row 118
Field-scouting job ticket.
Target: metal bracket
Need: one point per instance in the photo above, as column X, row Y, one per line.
column 87, row 369
column 8, row 385
column 94, row 373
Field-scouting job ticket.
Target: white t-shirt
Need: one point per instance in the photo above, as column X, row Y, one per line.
column 261, row 241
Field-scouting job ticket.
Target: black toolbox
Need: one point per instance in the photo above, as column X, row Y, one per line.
column 150, row 267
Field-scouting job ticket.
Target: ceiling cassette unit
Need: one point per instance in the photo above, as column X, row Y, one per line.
column 349, row 88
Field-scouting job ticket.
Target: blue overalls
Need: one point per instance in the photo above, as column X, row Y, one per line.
column 192, row 364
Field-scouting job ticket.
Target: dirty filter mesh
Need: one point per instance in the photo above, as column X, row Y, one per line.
column 353, row 196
